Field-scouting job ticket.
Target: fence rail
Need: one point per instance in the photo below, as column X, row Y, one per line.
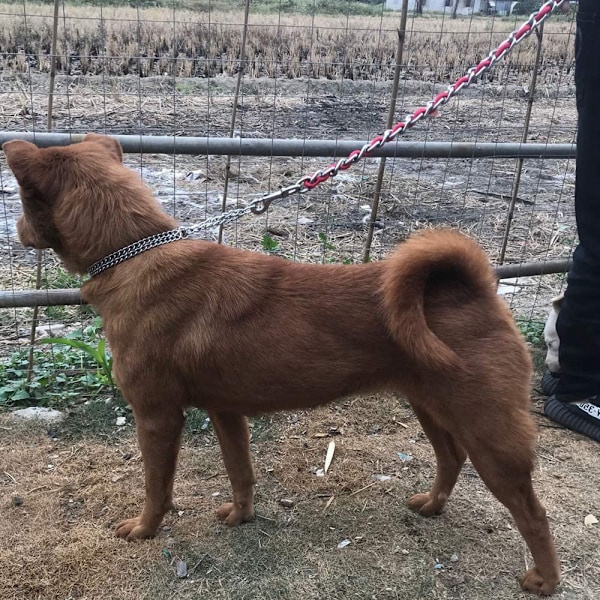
column 30, row 298
column 135, row 144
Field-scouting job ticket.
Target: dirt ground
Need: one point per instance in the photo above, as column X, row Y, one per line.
column 63, row 489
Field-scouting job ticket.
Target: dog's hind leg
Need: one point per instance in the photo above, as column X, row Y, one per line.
column 234, row 439
column 506, row 470
column 159, row 437
column 450, row 458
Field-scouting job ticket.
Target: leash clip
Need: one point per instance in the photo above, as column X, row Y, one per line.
column 258, row 207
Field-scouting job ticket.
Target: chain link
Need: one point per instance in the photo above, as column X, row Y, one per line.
column 137, row 248
column 309, row 182
column 517, row 36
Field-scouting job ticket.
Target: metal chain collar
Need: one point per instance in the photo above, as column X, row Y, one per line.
column 308, row 182
column 137, row 248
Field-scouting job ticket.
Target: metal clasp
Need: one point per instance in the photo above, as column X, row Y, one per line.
column 262, row 204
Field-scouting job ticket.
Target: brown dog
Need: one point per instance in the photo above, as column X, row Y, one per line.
column 189, row 321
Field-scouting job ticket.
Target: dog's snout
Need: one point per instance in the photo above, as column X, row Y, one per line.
column 27, row 234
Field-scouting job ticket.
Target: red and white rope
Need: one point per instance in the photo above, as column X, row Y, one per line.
column 309, row 182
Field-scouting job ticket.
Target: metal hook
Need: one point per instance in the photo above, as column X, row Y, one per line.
column 262, row 204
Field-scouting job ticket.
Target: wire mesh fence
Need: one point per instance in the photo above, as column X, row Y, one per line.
column 298, row 70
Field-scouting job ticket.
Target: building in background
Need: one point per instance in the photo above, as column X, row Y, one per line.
column 464, row 7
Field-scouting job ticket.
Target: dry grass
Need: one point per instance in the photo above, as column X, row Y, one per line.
column 58, row 543
column 120, row 40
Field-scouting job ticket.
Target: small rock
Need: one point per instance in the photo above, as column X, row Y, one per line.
column 39, row 413
column 181, row 569
column 503, row 290
column 195, row 175
column 50, row 329
column 286, row 502
column 454, row 558
column 121, row 421
column 590, row 520
column 404, row 457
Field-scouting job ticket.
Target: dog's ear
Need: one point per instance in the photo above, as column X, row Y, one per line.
column 22, row 158
column 558, row 302
column 109, row 144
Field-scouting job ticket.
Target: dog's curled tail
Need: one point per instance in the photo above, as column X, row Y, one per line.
column 447, row 266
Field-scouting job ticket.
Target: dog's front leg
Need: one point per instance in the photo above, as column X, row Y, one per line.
column 159, row 437
column 234, row 439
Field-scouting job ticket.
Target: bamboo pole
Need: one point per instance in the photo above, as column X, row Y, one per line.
column 39, row 253
column 517, row 183
column 390, row 121
column 236, row 95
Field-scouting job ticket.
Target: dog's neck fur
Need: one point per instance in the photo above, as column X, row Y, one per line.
column 141, row 217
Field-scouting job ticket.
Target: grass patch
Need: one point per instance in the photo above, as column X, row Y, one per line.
column 75, row 367
column 57, row 278
column 533, row 332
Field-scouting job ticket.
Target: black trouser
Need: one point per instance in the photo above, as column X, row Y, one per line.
column 578, row 323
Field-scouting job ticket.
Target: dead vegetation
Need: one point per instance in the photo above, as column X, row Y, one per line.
column 62, row 493
column 120, row 41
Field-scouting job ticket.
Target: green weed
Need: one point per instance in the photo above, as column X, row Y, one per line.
column 328, row 247
column 58, row 278
column 269, row 244
column 533, row 332
column 77, row 366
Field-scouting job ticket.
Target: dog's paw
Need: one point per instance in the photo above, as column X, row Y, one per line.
column 134, row 529
column 232, row 514
column 427, row 506
column 533, row 582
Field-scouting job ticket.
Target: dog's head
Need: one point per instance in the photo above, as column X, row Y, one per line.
column 80, row 200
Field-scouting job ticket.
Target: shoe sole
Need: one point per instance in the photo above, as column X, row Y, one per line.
column 570, row 417
column 549, row 383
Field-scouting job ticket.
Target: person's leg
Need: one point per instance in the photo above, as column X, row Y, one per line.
column 578, row 323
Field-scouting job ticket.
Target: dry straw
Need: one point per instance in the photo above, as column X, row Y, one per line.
column 119, row 41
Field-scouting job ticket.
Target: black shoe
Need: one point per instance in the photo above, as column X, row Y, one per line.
column 549, row 383
column 582, row 416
